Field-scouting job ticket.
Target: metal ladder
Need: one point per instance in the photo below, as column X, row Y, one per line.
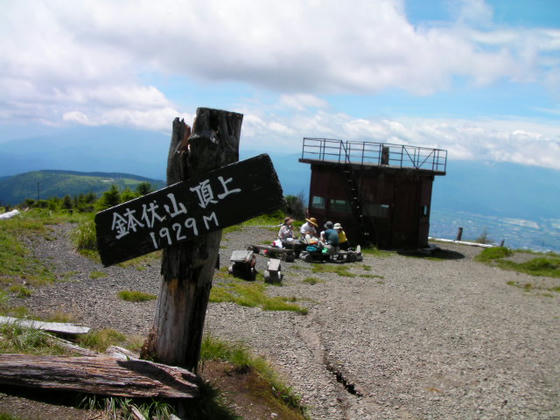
column 366, row 228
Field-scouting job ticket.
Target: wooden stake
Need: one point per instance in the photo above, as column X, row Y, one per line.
column 187, row 269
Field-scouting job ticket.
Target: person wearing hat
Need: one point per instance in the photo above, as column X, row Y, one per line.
column 342, row 239
column 309, row 229
column 286, row 232
column 330, row 238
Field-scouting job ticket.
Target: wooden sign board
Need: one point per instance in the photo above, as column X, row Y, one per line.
column 183, row 211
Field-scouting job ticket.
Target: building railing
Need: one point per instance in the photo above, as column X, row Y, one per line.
column 376, row 154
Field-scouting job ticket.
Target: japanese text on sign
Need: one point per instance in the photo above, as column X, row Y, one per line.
column 171, row 214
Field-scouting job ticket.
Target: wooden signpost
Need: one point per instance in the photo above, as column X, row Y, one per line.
column 187, row 210
column 207, row 191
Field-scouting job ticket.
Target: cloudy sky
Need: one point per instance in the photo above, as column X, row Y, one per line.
column 479, row 78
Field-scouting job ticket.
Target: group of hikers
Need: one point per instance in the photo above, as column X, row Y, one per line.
column 332, row 237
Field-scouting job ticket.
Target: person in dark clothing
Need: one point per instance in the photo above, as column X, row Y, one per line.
column 330, row 238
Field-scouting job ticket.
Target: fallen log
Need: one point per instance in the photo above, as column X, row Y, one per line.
column 101, row 375
column 54, row 327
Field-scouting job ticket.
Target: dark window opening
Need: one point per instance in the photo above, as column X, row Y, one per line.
column 377, row 210
column 317, row 202
column 340, row 206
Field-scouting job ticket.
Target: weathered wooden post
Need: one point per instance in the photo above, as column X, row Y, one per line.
column 208, row 190
column 187, row 268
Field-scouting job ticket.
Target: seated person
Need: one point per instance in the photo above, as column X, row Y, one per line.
column 330, row 237
column 286, row 232
column 342, row 239
column 309, row 229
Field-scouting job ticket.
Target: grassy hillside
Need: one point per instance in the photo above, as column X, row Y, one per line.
column 47, row 184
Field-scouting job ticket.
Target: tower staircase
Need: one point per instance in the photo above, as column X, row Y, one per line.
column 366, row 228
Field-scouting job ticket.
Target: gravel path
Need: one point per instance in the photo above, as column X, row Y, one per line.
column 405, row 338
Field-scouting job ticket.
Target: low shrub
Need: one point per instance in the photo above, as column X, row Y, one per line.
column 253, row 295
column 20, row 291
column 17, row 339
column 135, row 296
column 494, row 253
column 84, row 236
column 101, row 339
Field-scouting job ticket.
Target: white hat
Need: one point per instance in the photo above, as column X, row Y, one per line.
column 337, row 226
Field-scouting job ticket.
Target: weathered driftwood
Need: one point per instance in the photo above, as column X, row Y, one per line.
column 100, row 375
column 121, row 353
column 187, row 269
column 54, row 327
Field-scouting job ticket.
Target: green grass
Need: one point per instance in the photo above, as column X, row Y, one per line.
column 20, row 291
column 4, row 416
column 7, row 309
column 371, row 276
column 544, row 265
column 340, row 269
column 252, row 295
column 17, row 339
column 3, row 301
column 121, row 408
column 493, row 254
column 530, row 286
column 16, row 260
column 99, row 340
column 272, row 219
column 84, row 236
column 140, row 263
column 85, row 240
column 230, row 229
column 269, row 221
column 240, row 356
column 94, row 275
column 135, row 296
column 313, row 280
column 67, row 276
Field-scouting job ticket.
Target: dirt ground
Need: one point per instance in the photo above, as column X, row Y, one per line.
column 397, row 336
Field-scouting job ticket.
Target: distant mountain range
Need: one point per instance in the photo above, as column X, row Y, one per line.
column 47, row 184
column 528, row 195
column 89, row 149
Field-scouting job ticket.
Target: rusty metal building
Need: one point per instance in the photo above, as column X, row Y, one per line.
column 380, row 193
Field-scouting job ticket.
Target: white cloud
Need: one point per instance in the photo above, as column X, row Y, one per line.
column 515, row 141
column 292, row 46
column 302, row 101
column 475, row 12
column 76, row 116
column 148, row 119
column 83, row 62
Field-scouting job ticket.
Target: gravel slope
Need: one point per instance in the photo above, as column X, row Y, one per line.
column 405, row 338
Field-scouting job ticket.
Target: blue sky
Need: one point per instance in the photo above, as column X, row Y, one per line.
column 478, row 78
